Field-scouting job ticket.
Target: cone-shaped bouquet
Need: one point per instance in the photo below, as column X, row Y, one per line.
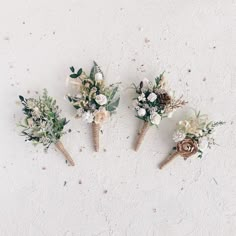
column 153, row 103
column 43, row 123
column 94, row 101
column 192, row 136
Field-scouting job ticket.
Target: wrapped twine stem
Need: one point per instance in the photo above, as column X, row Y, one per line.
column 141, row 135
column 62, row 149
column 169, row 159
column 95, row 133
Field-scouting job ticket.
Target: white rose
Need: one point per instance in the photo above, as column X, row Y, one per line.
column 155, row 118
column 141, row 112
column 152, row 97
column 88, row 117
column 101, row 99
column 98, row 76
column 178, row 136
column 203, row 143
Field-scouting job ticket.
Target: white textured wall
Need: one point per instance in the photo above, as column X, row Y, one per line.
column 117, row 191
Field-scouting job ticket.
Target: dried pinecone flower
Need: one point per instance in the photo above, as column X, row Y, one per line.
column 164, row 98
column 187, row 147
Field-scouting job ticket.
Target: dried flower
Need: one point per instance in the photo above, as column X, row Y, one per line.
column 152, row 97
column 187, row 147
column 43, row 123
column 101, row 116
column 141, row 112
column 155, row 118
column 98, row 76
column 179, row 135
column 101, row 99
column 88, row 117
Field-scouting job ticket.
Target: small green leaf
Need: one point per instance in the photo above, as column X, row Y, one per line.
column 79, row 72
column 74, row 76
column 113, row 93
column 72, row 69
column 112, row 106
column 21, row 98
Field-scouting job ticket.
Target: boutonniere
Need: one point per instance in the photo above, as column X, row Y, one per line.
column 153, row 103
column 43, row 124
column 95, row 101
column 193, row 136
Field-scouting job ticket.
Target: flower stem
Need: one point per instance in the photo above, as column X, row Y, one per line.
column 169, row 159
column 95, row 130
column 141, row 135
column 62, row 149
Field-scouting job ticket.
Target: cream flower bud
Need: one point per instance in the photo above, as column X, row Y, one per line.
column 98, row 76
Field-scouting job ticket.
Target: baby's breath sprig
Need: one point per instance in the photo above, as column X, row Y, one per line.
column 42, row 123
column 193, row 136
column 153, row 103
column 95, row 102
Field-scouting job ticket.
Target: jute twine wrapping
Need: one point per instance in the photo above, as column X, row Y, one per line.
column 95, row 133
column 141, row 135
column 169, row 159
column 62, row 149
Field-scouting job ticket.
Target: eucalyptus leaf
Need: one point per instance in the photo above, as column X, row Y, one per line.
column 113, row 105
column 79, row 72
column 114, row 91
column 74, row 76
column 22, row 98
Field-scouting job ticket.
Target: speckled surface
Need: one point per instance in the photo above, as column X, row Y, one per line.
column 117, row 191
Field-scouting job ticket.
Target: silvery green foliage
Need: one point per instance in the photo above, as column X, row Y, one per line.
column 42, row 123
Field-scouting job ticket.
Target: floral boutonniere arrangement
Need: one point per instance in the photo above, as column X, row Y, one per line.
column 153, row 103
column 95, row 101
column 43, row 124
column 192, row 136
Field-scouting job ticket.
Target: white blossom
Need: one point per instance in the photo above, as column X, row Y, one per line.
column 141, row 112
column 155, row 118
column 88, row 117
column 101, row 99
column 142, row 97
column 152, row 97
column 203, row 143
column 179, row 135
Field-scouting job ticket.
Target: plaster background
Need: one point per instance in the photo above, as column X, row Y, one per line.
column 117, row 191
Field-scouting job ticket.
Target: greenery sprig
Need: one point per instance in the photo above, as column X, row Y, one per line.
column 42, row 123
column 95, row 101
